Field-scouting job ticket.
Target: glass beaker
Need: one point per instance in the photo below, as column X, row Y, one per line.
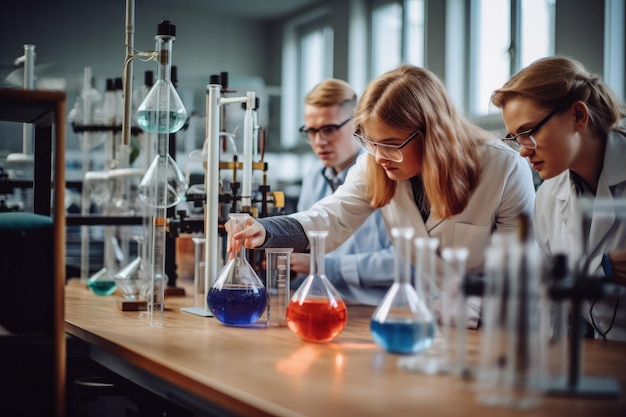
column 316, row 312
column 238, row 295
column 402, row 324
column 277, row 282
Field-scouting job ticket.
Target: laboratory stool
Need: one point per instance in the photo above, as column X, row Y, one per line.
column 26, row 313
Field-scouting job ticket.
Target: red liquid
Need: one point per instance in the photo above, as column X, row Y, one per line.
column 317, row 320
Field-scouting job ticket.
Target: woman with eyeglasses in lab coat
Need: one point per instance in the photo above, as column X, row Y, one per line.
column 566, row 123
column 425, row 166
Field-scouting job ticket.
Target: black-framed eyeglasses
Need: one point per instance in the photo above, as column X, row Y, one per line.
column 526, row 138
column 390, row 152
column 327, row 132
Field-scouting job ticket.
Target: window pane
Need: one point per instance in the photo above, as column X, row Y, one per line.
column 537, row 28
column 491, row 22
column 414, row 44
column 311, row 60
column 386, row 38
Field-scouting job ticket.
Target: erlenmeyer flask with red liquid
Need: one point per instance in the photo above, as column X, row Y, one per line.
column 316, row 312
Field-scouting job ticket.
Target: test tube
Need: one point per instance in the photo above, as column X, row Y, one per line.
column 454, row 262
column 199, row 284
column 277, row 285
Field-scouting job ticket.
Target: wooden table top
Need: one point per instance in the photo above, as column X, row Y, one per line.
column 270, row 371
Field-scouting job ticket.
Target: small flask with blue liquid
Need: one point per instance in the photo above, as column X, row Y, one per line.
column 402, row 323
column 238, row 296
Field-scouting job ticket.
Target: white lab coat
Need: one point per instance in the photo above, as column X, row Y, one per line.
column 504, row 191
column 558, row 227
column 361, row 269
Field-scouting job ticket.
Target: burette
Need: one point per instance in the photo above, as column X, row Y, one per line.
column 163, row 184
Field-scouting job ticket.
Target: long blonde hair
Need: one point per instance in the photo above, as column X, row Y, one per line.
column 413, row 98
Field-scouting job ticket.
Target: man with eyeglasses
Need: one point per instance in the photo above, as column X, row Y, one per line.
column 361, row 269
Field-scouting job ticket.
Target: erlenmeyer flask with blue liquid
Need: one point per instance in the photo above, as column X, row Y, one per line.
column 238, row 296
column 402, row 323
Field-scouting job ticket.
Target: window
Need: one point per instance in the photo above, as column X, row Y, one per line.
column 508, row 35
column 397, row 35
column 307, row 60
column 316, row 58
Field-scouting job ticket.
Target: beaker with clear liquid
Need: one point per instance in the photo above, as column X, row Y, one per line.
column 238, row 296
column 402, row 324
column 316, row 312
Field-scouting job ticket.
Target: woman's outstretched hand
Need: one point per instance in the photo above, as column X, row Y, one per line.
column 251, row 236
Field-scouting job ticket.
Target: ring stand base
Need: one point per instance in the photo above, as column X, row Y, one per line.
column 589, row 387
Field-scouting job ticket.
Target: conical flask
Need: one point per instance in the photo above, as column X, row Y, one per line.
column 402, row 324
column 316, row 312
column 102, row 282
column 132, row 279
column 162, row 111
column 163, row 185
column 238, row 296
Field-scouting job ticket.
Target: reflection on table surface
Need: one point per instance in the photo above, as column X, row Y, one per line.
column 256, row 370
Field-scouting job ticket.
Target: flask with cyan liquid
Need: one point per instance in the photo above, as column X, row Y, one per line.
column 402, row 324
column 316, row 312
column 238, row 296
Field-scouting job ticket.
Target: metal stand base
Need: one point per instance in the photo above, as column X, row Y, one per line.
column 589, row 387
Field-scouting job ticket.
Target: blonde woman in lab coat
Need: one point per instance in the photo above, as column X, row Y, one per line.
column 565, row 121
column 424, row 166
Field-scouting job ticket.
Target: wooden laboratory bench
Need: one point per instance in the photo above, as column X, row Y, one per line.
column 258, row 371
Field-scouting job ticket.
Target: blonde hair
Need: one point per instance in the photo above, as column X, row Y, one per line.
column 557, row 82
column 413, row 98
column 332, row 92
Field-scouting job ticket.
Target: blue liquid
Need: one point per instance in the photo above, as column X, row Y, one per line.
column 102, row 287
column 403, row 337
column 147, row 120
column 237, row 305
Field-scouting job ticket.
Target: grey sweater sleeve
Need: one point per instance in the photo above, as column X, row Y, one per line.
column 284, row 232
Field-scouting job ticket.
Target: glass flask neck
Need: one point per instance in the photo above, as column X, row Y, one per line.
column 239, row 222
column 164, row 57
column 317, row 243
column 402, row 254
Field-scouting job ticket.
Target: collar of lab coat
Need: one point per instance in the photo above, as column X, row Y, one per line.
column 613, row 173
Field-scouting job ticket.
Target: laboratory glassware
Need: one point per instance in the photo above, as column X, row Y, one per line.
column 402, row 324
column 316, row 312
column 163, row 185
column 455, row 305
column 102, row 282
column 523, row 363
column 489, row 381
column 199, row 286
column 238, row 296
column 162, row 111
column 277, row 285
column 555, row 313
column 434, row 360
column 132, row 279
